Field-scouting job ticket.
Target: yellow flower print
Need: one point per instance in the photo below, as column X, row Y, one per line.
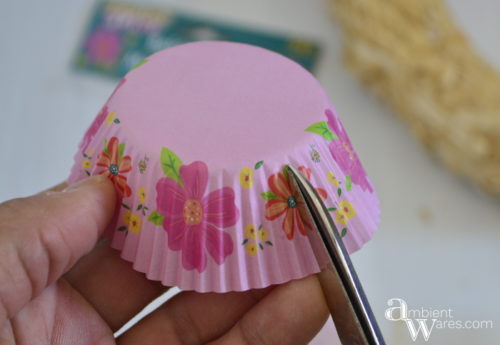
column 347, row 208
column 110, row 118
column 86, row 164
column 252, row 248
column 90, row 151
column 126, row 217
column 332, row 179
column 133, row 221
column 134, row 224
column 263, row 234
column 141, row 195
column 246, row 178
column 256, row 239
column 344, row 212
column 340, row 217
column 250, row 232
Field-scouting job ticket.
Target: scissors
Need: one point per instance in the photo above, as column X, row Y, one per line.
column 346, row 300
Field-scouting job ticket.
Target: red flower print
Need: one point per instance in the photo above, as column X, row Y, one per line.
column 307, row 173
column 111, row 159
column 286, row 202
column 193, row 220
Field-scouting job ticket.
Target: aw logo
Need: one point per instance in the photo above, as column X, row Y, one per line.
column 424, row 320
column 398, row 311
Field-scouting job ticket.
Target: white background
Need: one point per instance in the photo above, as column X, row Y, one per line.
column 438, row 243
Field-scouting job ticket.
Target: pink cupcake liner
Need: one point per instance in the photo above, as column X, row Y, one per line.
column 195, row 140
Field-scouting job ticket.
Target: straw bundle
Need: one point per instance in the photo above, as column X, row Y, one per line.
column 415, row 58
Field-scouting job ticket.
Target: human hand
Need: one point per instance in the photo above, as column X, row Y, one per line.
column 59, row 285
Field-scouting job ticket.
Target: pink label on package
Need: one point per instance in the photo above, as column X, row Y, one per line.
column 195, row 140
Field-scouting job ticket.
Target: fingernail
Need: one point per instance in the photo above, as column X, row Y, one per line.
column 86, row 182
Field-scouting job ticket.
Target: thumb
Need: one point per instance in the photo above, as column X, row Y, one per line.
column 42, row 237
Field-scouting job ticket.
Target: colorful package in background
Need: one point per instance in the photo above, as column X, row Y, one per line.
column 120, row 36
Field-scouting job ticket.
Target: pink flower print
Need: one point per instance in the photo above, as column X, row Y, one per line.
column 94, row 127
column 344, row 154
column 120, row 84
column 103, row 47
column 194, row 220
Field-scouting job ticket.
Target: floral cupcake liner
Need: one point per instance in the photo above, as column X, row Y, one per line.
column 214, row 210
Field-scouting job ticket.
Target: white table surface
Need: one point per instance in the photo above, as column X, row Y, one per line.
column 438, row 243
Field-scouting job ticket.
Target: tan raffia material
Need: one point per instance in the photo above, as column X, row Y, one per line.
column 413, row 56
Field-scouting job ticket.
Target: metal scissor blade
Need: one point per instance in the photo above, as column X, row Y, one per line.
column 346, row 300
